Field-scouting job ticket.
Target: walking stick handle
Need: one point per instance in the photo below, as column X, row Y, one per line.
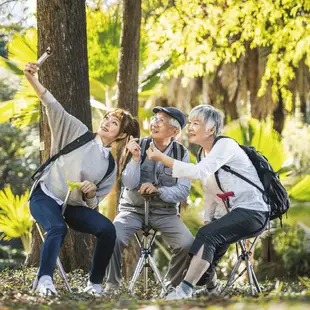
column 73, row 185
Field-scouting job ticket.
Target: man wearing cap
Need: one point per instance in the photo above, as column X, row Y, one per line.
column 141, row 176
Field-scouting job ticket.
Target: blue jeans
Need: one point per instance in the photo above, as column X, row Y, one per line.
column 47, row 213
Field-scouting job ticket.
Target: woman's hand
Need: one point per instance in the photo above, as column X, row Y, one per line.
column 134, row 148
column 153, row 153
column 30, row 70
column 89, row 189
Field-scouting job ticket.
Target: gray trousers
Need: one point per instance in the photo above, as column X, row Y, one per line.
column 173, row 231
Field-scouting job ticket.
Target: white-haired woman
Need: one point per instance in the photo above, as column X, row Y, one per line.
column 248, row 210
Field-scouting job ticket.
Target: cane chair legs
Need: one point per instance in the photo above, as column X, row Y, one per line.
column 245, row 256
column 146, row 263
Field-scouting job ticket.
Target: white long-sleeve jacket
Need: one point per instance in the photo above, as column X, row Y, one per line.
column 224, row 152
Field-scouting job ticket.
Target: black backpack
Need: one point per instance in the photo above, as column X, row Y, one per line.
column 273, row 192
column 78, row 142
column 178, row 149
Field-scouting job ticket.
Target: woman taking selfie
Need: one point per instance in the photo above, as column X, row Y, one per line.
column 87, row 164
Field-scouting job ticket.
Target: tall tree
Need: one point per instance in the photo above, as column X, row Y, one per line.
column 62, row 26
column 128, row 70
column 128, row 73
column 127, row 79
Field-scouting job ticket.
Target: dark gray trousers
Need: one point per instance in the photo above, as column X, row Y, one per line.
column 238, row 224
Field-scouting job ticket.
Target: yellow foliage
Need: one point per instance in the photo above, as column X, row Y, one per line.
column 15, row 218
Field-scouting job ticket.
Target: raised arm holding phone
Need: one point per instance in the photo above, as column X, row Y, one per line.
column 88, row 164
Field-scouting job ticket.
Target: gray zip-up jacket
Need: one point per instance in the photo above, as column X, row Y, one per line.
column 88, row 162
column 172, row 190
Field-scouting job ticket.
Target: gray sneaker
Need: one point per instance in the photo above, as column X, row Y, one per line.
column 111, row 288
column 168, row 290
column 207, row 291
column 178, row 294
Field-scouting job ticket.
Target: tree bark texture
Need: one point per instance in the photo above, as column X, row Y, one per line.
column 127, row 79
column 279, row 115
column 128, row 70
column 62, row 26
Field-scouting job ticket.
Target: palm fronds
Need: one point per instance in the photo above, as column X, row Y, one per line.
column 15, row 218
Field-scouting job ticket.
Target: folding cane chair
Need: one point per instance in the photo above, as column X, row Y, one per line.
column 146, row 260
column 41, row 233
column 245, row 255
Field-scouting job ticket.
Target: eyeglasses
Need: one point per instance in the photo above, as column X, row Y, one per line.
column 158, row 120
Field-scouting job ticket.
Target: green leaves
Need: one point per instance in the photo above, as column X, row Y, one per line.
column 24, row 108
column 199, row 35
column 261, row 136
column 301, row 190
column 15, row 218
column 103, row 37
column 23, row 48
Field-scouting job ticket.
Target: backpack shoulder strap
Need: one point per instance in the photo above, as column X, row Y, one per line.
column 144, row 143
column 78, row 142
column 228, row 169
column 219, row 138
column 199, row 155
column 179, row 150
column 110, row 169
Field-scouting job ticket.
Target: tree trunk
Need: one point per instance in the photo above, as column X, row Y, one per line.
column 279, row 115
column 128, row 74
column 62, row 26
column 128, row 70
column 252, row 71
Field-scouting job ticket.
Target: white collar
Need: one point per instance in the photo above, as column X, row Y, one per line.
column 103, row 149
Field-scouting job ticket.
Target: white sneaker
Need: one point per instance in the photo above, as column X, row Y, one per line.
column 177, row 294
column 94, row 289
column 111, row 288
column 168, row 290
column 46, row 287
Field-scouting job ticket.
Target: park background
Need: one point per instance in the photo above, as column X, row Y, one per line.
column 250, row 59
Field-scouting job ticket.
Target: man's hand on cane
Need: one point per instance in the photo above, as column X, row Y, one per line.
column 148, row 188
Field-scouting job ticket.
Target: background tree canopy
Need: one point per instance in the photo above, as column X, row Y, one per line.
column 200, row 35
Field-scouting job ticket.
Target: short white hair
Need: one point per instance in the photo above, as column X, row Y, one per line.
column 172, row 121
column 211, row 116
column 175, row 123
